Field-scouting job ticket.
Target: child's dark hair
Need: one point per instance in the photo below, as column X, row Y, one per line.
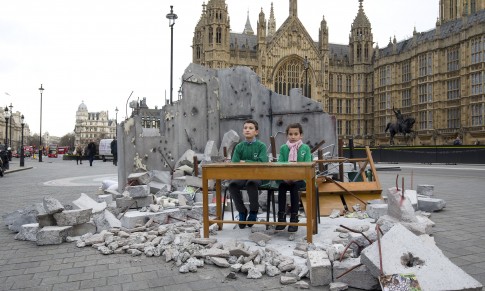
column 294, row 125
column 256, row 126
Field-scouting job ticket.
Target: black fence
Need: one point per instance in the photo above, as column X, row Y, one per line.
column 422, row 154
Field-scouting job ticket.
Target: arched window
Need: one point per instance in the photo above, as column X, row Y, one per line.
column 219, row 35
column 198, row 52
column 291, row 74
column 359, row 52
column 211, row 34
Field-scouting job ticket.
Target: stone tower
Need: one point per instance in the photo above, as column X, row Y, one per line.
column 211, row 37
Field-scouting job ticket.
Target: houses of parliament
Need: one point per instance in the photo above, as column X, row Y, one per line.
column 437, row 76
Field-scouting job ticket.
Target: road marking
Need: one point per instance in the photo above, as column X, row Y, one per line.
column 430, row 167
column 94, row 180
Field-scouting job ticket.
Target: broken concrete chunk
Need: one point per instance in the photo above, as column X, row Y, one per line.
column 360, row 277
column 338, row 286
column 139, row 191
column 52, row 205
column 28, row 232
column 405, row 253
column 73, row 217
column 426, row 190
column 429, row 204
column 52, row 235
column 220, row 262
column 399, row 207
column 16, row 219
column 376, row 210
column 320, row 268
column 46, row 220
column 229, row 140
column 141, row 178
column 86, row 202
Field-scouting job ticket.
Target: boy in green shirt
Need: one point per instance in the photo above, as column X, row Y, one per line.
column 249, row 150
column 294, row 150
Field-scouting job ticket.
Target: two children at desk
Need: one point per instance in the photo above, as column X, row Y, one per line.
column 253, row 150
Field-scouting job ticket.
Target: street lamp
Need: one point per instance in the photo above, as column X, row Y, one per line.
column 11, row 117
column 116, row 125
column 22, row 162
column 41, row 90
column 305, row 67
column 6, row 125
column 171, row 22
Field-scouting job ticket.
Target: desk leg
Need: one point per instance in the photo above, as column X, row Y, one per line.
column 316, row 211
column 309, row 214
column 205, row 204
column 219, row 202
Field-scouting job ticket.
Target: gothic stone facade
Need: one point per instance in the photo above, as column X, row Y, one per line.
column 437, row 76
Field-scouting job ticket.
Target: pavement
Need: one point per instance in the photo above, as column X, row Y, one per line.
column 459, row 232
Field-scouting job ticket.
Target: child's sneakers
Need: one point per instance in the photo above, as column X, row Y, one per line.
column 253, row 215
column 242, row 217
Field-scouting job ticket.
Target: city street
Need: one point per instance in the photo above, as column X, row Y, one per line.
column 459, row 232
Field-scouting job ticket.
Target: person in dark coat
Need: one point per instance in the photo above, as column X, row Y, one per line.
column 91, row 152
column 114, row 151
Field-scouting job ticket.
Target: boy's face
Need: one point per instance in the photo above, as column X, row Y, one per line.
column 249, row 131
column 294, row 135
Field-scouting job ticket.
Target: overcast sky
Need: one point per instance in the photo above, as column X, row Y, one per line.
column 99, row 51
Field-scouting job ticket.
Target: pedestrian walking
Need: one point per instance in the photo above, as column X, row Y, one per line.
column 91, row 152
column 114, row 151
column 79, row 154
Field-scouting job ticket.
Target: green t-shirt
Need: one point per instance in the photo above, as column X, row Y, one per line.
column 250, row 152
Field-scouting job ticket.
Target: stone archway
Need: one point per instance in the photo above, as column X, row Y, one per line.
column 289, row 74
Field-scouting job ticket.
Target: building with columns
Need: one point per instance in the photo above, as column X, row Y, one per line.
column 92, row 125
column 14, row 129
column 437, row 76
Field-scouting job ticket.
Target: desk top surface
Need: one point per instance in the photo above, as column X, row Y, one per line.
column 260, row 165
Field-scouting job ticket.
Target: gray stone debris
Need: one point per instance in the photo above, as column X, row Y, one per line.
column 338, row 286
column 426, row 190
column 52, row 205
column 27, row 215
column 142, row 178
column 138, row 191
column 433, row 270
column 28, row 232
column 359, row 277
column 52, row 235
column 86, row 202
column 430, row 204
column 320, row 268
column 73, row 217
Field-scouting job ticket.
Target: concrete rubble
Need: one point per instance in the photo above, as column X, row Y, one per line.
column 168, row 224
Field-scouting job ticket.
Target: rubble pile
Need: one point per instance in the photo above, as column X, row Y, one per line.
column 159, row 217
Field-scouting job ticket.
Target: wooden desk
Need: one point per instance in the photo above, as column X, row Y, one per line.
column 257, row 171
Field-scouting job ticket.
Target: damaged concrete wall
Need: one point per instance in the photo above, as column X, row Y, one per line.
column 214, row 102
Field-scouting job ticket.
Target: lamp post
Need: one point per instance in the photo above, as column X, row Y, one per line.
column 171, row 22
column 22, row 162
column 41, row 90
column 6, row 126
column 116, row 125
column 305, row 67
column 11, row 117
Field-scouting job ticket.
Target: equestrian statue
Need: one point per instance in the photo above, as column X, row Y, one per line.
column 402, row 125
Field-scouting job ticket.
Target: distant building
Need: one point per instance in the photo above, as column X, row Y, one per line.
column 14, row 129
column 150, row 118
column 437, row 76
column 93, row 125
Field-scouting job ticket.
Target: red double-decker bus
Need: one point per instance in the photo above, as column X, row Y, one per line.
column 63, row 150
column 52, row 151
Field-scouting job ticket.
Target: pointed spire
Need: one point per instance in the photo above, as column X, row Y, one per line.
column 247, row 28
column 271, row 22
column 361, row 19
column 293, row 8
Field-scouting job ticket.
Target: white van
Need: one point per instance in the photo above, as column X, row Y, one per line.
column 105, row 149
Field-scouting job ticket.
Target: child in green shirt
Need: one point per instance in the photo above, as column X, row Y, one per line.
column 293, row 151
column 249, row 150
